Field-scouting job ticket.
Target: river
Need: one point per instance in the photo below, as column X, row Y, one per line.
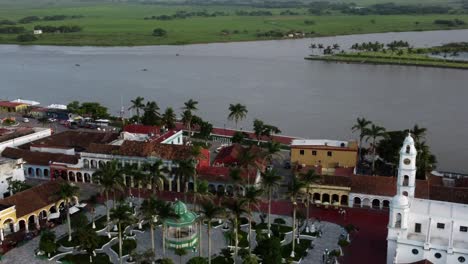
column 312, row 99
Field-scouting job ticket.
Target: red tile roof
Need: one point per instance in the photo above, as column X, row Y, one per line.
column 230, row 155
column 142, row 129
column 10, row 104
column 39, row 158
column 221, row 174
column 34, row 198
column 79, row 140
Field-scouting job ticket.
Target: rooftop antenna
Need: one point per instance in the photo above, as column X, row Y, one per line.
column 122, row 109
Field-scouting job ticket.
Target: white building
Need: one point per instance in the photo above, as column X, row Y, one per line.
column 16, row 141
column 10, row 170
column 421, row 229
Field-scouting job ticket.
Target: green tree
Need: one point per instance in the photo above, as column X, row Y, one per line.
column 373, row 133
column 258, row 126
column 237, row 112
column 88, row 240
column 189, row 107
column 96, row 110
column 47, row 242
column 269, row 250
column 121, row 215
column 180, row 252
column 149, row 212
column 169, row 118
column 250, row 259
column 252, row 195
column 67, row 192
column 156, row 174
column 165, row 211
column 165, row 261
column 209, row 212
column 159, row 32
column 361, row 126
column 236, row 207
column 205, row 130
column 74, row 107
column 295, row 189
column 16, row 186
column 310, row 177
column 239, row 137
column 185, row 172
column 197, row 260
column 272, row 149
column 137, row 105
column 270, row 182
column 110, row 178
column 151, row 116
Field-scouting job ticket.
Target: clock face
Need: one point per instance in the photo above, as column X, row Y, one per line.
column 407, row 161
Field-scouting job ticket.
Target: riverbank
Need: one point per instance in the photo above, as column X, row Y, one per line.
column 125, row 24
column 406, row 59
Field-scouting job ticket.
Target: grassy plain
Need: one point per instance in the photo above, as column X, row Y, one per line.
column 123, row 24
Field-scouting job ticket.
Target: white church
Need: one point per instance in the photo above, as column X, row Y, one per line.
column 421, row 229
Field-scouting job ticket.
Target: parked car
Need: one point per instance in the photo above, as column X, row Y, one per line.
column 52, row 120
column 287, row 165
column 25, row 120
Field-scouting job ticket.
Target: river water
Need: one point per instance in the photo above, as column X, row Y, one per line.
column 310, row 99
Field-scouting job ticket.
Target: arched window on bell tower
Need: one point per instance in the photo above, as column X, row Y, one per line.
column 398, row 221
column 408, row 149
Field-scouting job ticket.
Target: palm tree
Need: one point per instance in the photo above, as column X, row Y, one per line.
column 185, row 172
column 418, row 133
column 295, row 188
column 272, row 149
column 165, row 211
column 88, row 240
column 236, row 179
column 156, row 174
column 68, row 192
column 151, row 115
column 373, row 133
column 189, row 107
column 361, row 126
column 252, row 195
column 110, row 178
column 209, row 212
column 259, row 128
column 137, row 105
column 310, row 177
column 202, row 194
column 236, row 207
column 121, row 215
column 169, row 118
column 140, row 178
column 149, row 211
column 270, row 182
column 248, row 160
column 237, row 112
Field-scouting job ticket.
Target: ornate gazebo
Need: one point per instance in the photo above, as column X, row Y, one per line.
column 181, row 231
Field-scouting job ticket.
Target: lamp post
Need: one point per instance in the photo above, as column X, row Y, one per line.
column 293, row 254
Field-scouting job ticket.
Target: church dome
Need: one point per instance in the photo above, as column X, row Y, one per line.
column 400, row 201
column 409, row 140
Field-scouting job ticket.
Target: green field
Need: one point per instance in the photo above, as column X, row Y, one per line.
column 123, row 24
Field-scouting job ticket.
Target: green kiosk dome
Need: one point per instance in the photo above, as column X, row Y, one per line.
column 181, row 231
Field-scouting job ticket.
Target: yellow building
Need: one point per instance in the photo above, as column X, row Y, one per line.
column 12, row 107
column 30, row 209
column 324, row 153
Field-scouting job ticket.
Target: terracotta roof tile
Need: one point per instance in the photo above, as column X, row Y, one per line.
column 39, row 158
column 34, row 198
column 221, row 174
column 142, row 129
column 103, row 149
column 10, row 104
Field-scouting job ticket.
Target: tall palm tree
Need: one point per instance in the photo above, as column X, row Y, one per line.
column 137, row 105
column 236, row 179
column 252, row 195
column 67, row 192
column 88, row 240
column 209, row 212
column 149, row 211
column 272, row 149
column 189, row 107
column 373, row 133
column 270, row 182
column 151, row 115
column 121, row 215
column 237, row 112
column 310, row 177
column 419, row 133
column 156, row 174
column 169, row 118
column 295, row 188
column 140, row 179
column 361, row 126
column 185, row 172
column 248, row 160
column 236, row 208
column 165, row 211
column 202, row 194
column 110, row 178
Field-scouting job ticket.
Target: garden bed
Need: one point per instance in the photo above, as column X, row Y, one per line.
column 128, row 246
column 299, row 249
column 84, row 259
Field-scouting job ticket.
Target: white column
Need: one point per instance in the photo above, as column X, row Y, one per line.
column 1, row 234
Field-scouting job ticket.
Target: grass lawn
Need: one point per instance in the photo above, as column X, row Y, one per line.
column 127, row 246
column 299, row 249
column 123, row 24
column 84, row 258
column 388, row 58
